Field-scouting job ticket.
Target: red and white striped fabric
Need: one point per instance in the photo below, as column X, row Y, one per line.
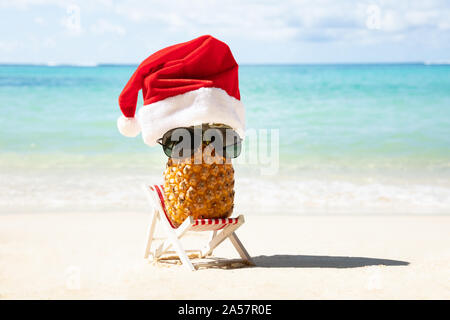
column 198, row 224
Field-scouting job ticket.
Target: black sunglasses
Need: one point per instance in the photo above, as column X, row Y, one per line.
column 183, row 142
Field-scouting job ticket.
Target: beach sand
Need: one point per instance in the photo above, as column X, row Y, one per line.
column 100, row 256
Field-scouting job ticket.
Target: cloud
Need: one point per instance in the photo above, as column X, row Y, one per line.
column 103, row 26
column 231, row 18
column 305, row 20
column 257, row 28
column 39, row 20
column 9, row 46
column 296, row 20
column 27, row 4
column 49, row 42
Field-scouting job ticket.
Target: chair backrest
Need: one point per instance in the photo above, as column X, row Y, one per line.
column 159, row 198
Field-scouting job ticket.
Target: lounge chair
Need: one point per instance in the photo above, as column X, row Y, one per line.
column 220, row 230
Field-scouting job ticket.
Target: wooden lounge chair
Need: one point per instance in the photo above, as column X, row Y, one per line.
column 220, row 230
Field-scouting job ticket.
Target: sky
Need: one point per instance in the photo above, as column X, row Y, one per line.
column 89, row 32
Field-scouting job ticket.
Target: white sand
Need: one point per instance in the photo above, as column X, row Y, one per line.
column 43, row 256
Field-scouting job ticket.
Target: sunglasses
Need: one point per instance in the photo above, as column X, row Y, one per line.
column 183, row 142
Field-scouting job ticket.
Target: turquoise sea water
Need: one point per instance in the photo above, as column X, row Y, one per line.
column 369, row 131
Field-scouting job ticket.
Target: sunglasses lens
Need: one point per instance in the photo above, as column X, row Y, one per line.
column 167, row 151
column 232, row 147
column 233, row 151
column 180, row 143
column 170, row 140
column 168, row 143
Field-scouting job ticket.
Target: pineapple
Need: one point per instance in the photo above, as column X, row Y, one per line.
column 201, row 190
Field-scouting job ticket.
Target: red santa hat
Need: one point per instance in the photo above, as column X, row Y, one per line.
column 183, row 85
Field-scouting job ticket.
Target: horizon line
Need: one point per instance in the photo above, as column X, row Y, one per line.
column 109, row 64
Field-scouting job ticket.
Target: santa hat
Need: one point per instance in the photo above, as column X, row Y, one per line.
column 183, row 85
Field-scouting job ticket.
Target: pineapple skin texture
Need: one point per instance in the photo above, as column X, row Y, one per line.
column 203, row 191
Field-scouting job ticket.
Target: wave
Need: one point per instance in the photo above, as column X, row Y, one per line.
column 81, row 64
column 437, row 62
column 109, row 190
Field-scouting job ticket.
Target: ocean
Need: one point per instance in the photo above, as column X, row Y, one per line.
column 352, row 139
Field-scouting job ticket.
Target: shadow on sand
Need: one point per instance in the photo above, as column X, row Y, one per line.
column 301, row 261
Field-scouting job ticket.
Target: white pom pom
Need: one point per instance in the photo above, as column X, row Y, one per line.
column 129, row 127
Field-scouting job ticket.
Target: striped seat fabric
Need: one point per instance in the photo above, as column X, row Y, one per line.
column 198, row 224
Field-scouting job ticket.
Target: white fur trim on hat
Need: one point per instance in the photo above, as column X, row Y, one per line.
column 129, row 127
column 204, row 105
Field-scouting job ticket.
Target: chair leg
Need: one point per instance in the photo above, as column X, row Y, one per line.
column 240, row 248
column 180, row 232
column 218, row 239
column 182, row 254
column 150, row 233
column 211, row 237
column 173, row 240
